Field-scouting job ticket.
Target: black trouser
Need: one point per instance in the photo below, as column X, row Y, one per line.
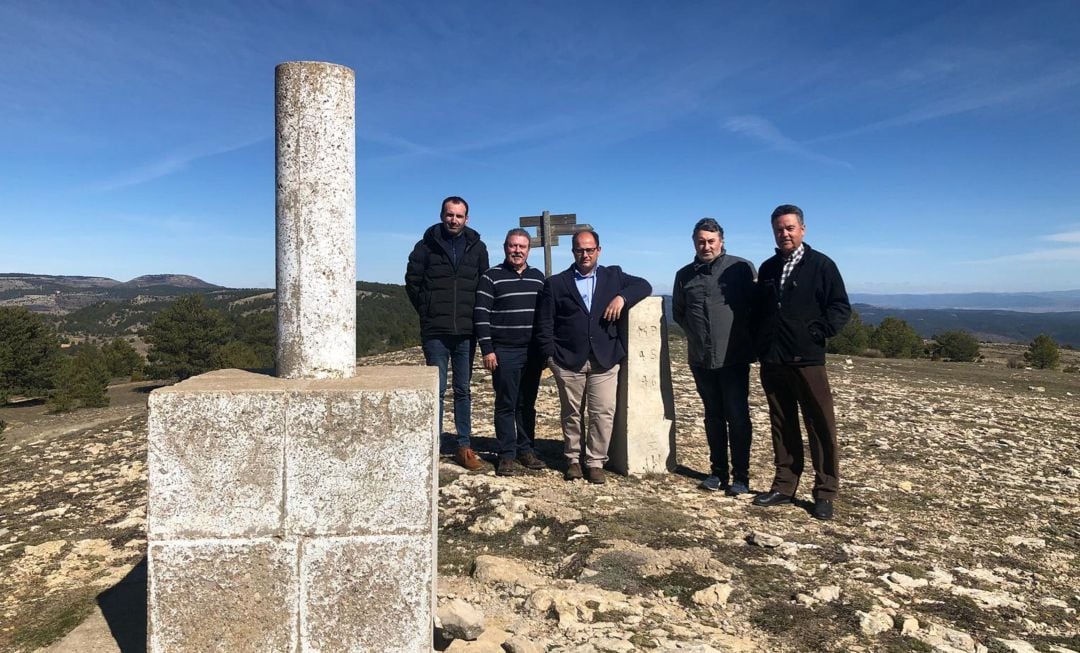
column 790, row 389
column 724, row 393
column 516, row 381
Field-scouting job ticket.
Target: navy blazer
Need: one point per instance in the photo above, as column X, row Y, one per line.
column 569, row 333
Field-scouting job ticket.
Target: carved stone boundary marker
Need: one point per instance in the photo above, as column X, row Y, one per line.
column 298, row 514
column 643, row 440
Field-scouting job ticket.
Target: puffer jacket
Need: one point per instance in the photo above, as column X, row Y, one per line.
column 442, row 293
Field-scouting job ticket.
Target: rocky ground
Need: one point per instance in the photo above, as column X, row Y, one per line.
column 957, row 529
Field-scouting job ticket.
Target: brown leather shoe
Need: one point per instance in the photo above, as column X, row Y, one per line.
column 573, row 472
column 530, row 461
column 468, row 459
column 595, row 475
column 505, row 467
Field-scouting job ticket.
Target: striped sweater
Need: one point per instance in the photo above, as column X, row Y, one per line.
column 505, row 306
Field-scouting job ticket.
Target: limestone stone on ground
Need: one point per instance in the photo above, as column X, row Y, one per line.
column 461, row 620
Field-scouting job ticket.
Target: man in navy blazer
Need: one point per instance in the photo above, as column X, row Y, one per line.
column 577, row 329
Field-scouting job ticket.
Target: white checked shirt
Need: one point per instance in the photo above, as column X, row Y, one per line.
column 789, row 265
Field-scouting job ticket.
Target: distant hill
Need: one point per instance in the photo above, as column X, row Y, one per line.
column 986, row 325
column 99, row 309
column 1036, row 302
column 990, row 326
column 60, row 295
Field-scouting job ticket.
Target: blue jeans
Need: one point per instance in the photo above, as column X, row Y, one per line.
column 724, row 394
column 516, row 382
column 456, row 352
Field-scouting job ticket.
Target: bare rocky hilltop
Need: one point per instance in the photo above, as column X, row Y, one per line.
column 957, row 529
column 59, row 295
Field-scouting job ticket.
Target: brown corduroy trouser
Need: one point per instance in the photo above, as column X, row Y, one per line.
column 789, row 389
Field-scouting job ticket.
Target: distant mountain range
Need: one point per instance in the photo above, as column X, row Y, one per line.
column 989, row 326
column 59, row 295
column 1033, row 302
column 986, row 325
column 76, row 302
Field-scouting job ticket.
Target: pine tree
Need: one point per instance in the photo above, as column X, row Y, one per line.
column 896, row 339
column 29, row 353
column 121, row 359
column 82, row 381
column 853, row 339
column 1043, row 353
column 184, row 337
column 958, row 346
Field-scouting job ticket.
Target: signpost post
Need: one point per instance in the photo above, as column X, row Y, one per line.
column 548, row 229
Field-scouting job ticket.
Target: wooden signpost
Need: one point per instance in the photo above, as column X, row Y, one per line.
column 548, row 229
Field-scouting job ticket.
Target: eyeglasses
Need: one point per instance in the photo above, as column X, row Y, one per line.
column 586, row 250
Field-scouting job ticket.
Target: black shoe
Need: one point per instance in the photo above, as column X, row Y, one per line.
column 505, row 467
column 595, row 475
column 822, row 509
column 530, row 461
column 773, row 498
column 573, row 472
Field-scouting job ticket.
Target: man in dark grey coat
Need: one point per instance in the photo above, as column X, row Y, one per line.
column 711, row 301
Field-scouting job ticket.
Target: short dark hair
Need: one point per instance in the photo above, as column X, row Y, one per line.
column 785, row 209
column 596, row 237
column 517, row 231
column 453, row 199
column 708, row 224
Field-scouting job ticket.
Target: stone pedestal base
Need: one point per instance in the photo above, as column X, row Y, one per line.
column 293, row 515
column 643, row 441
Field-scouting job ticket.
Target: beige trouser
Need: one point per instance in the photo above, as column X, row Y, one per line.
column 599, row 388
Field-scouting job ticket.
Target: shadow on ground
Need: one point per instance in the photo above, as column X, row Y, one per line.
column 124, row 608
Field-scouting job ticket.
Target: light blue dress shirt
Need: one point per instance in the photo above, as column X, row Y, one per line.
column 586, row 286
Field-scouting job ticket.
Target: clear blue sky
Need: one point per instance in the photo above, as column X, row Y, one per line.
column 934, row 146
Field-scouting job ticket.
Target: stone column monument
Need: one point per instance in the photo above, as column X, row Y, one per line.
column 316, row 221
column 297, row 512
column 643, row 440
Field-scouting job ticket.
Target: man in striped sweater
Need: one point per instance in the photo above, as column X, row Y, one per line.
column 503, row 322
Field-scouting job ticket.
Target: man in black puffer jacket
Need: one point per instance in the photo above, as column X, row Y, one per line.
column 440, row 279
column 800, row 301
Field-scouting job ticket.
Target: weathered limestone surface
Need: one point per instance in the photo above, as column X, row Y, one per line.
column 644, row 437
column 223, row 595
column 347, row 584
column 316, row 220
column 290, row 512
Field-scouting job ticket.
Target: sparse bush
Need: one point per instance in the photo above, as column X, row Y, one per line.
column 184, row 337
column 1070, row 369
column 82, row 381
column 1014, row 363
column 1043, row 353
column 896, row 339
column 873, row 353
column 958, row 346
column 853, row 339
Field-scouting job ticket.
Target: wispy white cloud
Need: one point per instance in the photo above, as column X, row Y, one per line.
column 170, row 164
column 1064, row 237
column 966, row 99
column 762, row 130
column 1045, row 255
